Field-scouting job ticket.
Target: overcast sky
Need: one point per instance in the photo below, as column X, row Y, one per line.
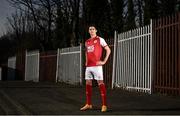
column 5, row 11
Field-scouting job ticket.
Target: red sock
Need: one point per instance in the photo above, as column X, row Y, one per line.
column 88, row 94
column 103, row 93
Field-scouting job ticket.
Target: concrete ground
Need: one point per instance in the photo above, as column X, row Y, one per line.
column 30, row 98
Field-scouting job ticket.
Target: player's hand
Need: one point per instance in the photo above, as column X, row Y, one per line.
column 100, row 63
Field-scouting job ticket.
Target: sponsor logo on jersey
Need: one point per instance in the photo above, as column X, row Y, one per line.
column 90, row 48
column 95, row 41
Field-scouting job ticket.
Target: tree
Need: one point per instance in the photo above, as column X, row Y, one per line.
column 167, row 7
column 151, row 10
column 23, row 31
column 98, row 13
column 139, row 11
column 67, row 22
column 5, row 51
column 62, row 27
column 178, row 5
column 118, row 8
column 130, row 20
column 42, row 12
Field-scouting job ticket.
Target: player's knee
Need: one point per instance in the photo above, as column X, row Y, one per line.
column 88, row 82
column 100, row 82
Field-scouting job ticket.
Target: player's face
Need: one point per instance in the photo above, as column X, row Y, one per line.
column 92, row 30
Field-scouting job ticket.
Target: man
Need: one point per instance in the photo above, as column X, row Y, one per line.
column 94, row 65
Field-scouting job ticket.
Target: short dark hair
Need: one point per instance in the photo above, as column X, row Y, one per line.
column 92, row 25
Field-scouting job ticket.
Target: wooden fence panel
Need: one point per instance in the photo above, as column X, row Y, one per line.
column 32, row 66
column 20, row 65
column 48, row 65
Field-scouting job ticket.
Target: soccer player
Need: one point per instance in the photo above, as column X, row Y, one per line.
column 94, row 46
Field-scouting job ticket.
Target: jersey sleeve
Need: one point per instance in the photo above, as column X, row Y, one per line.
column 102, row 42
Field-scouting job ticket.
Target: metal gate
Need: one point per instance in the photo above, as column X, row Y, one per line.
column 132, row 59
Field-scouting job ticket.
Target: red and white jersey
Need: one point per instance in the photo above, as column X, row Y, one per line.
column 94, row 50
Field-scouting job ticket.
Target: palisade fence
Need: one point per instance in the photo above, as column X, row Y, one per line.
column 32, row 66
column 132, row 59
column 69, row 65
column 166, row 55
column 107, row 68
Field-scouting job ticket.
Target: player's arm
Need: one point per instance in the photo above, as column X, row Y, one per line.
column 108, row 51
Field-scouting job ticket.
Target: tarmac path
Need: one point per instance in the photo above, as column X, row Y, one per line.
column 30, row 98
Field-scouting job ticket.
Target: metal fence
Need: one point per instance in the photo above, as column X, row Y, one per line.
column 32, row 66
column 107, row 68
column 166, row 55
column 132, row 59
column 69, row 65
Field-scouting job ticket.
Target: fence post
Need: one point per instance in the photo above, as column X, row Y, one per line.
column 57, row 66
column 25, row 77
column 178, row 68
column 114, row 59
column 81, row 64
column 0, row 73
column 151, row 53
column 37, row 80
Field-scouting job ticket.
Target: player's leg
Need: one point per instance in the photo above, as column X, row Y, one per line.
column 88, row 91
column 103, row 95
column 88, row 77
column 88, row 104
column 98, row 75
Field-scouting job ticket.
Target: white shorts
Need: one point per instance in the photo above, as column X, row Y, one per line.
column 94, row 72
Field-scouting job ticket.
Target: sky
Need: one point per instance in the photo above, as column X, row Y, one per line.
column 5, row 10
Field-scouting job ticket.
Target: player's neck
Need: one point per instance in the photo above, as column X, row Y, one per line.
column 93, row 36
